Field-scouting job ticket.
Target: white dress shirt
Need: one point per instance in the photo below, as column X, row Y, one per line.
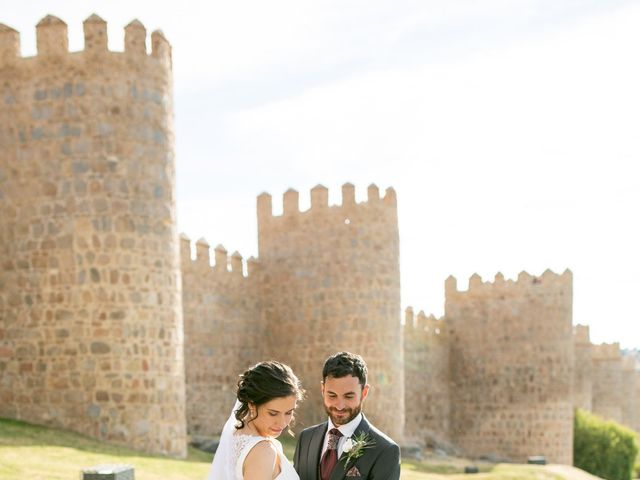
column 346, row 430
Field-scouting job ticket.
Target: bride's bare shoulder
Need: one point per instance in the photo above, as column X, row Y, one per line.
column 261, row 461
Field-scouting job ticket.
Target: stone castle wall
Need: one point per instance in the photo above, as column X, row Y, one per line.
column 583, row 371
column 512, row 366
column 607, row 381
column 109, row 328
column 435, row 403
column 332, row 283
column 427, row 380
column 222, row 329
column 90, row 304
column 630, row 402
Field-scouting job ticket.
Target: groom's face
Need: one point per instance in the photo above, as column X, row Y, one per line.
column 343, row 397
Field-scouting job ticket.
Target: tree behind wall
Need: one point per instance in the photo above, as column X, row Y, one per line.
column 604, row 448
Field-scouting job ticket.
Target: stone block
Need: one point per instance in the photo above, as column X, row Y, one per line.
column 109, row 472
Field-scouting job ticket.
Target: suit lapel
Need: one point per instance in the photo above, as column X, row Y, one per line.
column 315, row 448
column 339, row 471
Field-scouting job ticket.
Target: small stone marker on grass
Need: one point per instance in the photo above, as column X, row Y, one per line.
column 108, row 472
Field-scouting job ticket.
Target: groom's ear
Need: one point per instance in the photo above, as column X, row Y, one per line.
column 322, row 388
column 365, row 391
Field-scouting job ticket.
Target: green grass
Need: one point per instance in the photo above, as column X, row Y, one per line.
column 41, row 453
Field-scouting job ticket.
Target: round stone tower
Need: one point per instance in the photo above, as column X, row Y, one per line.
column 608, row 387
column 90, row 300
column 332, row 283
column 512, row 366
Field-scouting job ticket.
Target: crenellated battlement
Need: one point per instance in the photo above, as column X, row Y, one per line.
column 52, row 41
column 319, row 196
column 606, row 351
column 525, row 281
column 581, row 334
column 421, row 323
column 223, row 263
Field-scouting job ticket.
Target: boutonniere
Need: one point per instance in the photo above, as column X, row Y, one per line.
column 354, row 447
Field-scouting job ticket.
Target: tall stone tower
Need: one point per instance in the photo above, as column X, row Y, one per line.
column 512, row 366
column 332, row 283
column 607, row 381
column 90, row 300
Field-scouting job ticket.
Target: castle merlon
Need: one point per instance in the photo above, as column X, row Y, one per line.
column 525, row 277
column 373, row 193
column 450, row 285
column 408, row 317
column 135, row 37
column 222, row 258
column 319, row 196
column 94, row 18
column 421, row 320
column 390, row 197
column 264, row 206
column 606, row 351
column 253, row 265
column 581, row 334
column 185, row 247
column 348, row 194
column 52, row 40
column 236, row 263
column 290, row 202
column 524, row 280
column 9, row 44
column 6, row 28
column 95, row 34
column 202, row 251
column 51, row 36
column 475, row 281
column 160, row 46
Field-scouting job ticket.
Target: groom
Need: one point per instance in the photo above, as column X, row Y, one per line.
column 346, row 445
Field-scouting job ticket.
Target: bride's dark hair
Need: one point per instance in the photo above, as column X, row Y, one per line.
column 262, row 383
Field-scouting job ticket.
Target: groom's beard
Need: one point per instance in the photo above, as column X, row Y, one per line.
column 345, row 415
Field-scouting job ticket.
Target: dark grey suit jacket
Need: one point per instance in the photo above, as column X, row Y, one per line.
column 379, row 462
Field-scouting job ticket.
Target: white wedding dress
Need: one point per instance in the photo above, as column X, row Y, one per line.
column 243, row 445
column 234, row 448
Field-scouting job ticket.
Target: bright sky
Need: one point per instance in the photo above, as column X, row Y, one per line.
column 510, row 130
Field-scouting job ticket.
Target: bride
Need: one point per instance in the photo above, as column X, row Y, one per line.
column 248, row 450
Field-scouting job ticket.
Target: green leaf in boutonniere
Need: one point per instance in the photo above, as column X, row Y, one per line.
column 354, row 447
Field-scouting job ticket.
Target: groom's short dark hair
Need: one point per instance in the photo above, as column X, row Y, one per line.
column 342, row 364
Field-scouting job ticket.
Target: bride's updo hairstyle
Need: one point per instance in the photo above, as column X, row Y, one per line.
column 262, row 383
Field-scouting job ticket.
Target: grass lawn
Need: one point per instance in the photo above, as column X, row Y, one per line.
column 40, row 453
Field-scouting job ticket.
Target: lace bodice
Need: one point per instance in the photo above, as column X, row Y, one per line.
column 242, row 445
